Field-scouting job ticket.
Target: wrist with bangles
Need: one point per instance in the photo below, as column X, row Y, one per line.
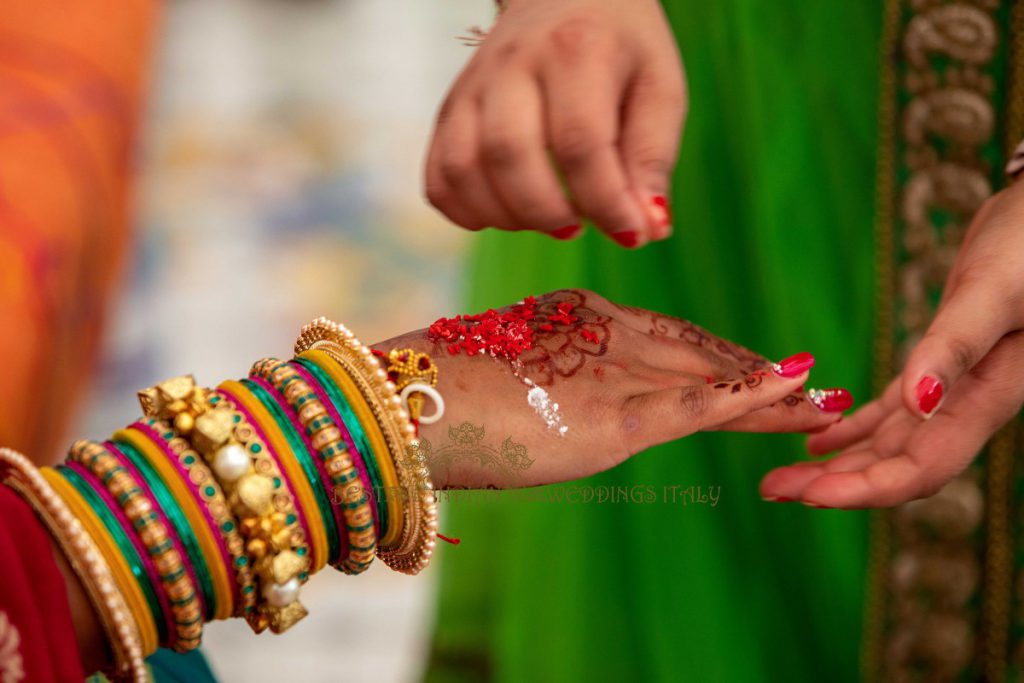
column 222, row 502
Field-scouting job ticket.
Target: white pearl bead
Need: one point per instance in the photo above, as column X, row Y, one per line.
column 231, row 462
column 282, row 594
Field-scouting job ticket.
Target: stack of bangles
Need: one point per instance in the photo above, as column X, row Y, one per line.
column 222, row 502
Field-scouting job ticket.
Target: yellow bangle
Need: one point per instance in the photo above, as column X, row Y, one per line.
column 293, row 470
column 123, row 576
column 190, row 508
column 369, row 423
column 417, row 540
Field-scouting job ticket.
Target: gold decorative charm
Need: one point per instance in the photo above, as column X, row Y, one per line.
column 406, row 367
column 177, row 400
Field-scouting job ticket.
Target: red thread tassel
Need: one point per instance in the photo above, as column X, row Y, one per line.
column 453, row 541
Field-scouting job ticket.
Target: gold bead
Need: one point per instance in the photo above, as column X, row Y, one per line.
column 183, row 422
column 256, row 547
column 286, row 566
column 212, row 430
column 284, row 618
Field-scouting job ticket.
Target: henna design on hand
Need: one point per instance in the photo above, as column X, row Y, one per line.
column 662, row 325
column 563, row 343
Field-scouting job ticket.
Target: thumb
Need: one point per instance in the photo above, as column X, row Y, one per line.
column 967, row 326
column 652, row 124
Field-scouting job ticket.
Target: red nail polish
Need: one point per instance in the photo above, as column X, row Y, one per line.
column 929, row 395
column 794, row 366
column 830, row 400
column 661, row 213
column 783, row 499
column 566, row 233
column 627, row 238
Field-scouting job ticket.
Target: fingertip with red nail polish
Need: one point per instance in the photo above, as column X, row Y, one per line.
column 834, row 400
column 627, row 238
column 794, row 366
column 929, row 395
column 568, row 232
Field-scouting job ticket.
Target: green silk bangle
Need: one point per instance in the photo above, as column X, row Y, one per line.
column 172, row 511
column 118, row 533
column 355, row 430
column 303, row 456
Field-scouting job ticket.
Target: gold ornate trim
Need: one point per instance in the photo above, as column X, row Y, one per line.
column 941, row 570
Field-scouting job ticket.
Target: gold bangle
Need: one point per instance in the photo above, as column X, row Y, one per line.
column 119, row 569
column 420, row 533
column 189, row 507
column 254, row 487
column 177, row 583
column 266, row 514
column 297, row 480
column 358, row 515
column 213, row 497
column 393, row 490
column 85, row 559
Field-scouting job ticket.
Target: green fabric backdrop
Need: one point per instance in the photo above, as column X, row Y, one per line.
column 774, row 202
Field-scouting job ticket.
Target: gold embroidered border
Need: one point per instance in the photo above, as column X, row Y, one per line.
column 927, row 614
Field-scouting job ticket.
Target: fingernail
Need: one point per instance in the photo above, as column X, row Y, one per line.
column 929, row 395
column 815, row 505
column 794, row 366
column 776, row 499
column 566, row 233
column 627, row 238
column 661, row 214
column 830, row 400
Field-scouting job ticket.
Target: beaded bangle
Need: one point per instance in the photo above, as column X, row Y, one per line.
column 266, row 510
column 420, row 529
column 356, row 441
column 387, row 488
column 296, row 406
column 155, row 534
column 205, row 487
column 260, row 417
column 95, row 495
column 398, row 491
column 129, row 448
column 298, row 462
column 85, row 560
column 118, row 567
column 354, row 444
column 132, row 593
column 326, row 439
column 390, row 496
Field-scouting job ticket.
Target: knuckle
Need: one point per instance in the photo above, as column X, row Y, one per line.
column 576, row 142
column 501, row 149
column 652, row 159
column 963, row 352
column 455, row 167
column 694, row 402
column 577, row 38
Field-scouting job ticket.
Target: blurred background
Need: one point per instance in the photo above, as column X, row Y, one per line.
column 280, row 180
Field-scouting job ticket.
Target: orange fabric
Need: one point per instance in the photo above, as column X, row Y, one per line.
column 72, row 78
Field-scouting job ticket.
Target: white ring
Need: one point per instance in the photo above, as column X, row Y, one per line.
column 434, row 394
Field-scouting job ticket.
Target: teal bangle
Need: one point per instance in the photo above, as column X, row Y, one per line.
column 176, row 517
column 303, row 456
column 127, row 548
column 359, row 438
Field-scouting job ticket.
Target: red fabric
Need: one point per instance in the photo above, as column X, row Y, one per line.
column 33, row 598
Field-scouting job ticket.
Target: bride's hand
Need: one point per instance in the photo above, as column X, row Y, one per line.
column 600, row 382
